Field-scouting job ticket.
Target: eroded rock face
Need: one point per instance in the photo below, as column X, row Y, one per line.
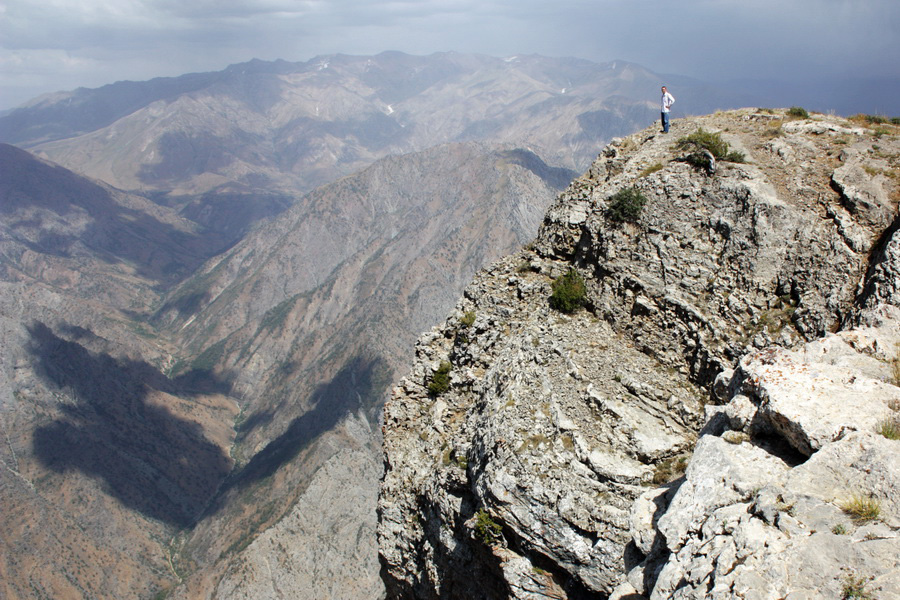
column 765, row 508
column 772, row 503
column 557, row 429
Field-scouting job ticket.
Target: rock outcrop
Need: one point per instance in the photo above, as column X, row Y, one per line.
column 551, row 466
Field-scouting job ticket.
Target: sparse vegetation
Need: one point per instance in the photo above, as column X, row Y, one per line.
column 670, row 469
column 798, row 112
column 651, row 170
column 871, row 119
column 451, row 458
column 486, row 529
column 702, row 141
column 889, row 428
column 895, row 371
column 208, row 359
column 276, row 316
column 881, row 125
column 626, row 205
column 854, row 587
column 839, row 529
column 468, row 319
column 525, row 267
column 773, row 130
column 569, row 292
column 773, row 320
column 534, row 442
column 440, row 379
column 862, row 509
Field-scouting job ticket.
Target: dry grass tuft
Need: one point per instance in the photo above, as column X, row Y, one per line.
column 862, row 509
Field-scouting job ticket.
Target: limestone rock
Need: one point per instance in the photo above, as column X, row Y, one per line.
column 557, row 428
column 770, row 514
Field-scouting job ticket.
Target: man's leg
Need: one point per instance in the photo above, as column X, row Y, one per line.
column 665, row 122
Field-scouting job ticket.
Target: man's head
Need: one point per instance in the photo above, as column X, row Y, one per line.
column 664, row 90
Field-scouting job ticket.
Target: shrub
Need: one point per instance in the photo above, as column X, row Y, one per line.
column 854, row 587
column 487, row 530
column 875, row 119
column 798, row 111
column 704, row 140
column 468, row 319
column 440, row 379
column 626, row 205
column 569, row 292
column 862, row 508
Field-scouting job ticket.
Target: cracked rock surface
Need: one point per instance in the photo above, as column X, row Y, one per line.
column 553, row 465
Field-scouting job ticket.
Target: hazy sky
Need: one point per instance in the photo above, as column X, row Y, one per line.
column 52, row 45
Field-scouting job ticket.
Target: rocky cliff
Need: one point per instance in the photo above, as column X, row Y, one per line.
column 717, row 420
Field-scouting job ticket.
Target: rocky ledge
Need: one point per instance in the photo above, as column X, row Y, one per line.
column 712, row 424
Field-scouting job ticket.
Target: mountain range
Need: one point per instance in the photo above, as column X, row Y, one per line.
column 210, row 283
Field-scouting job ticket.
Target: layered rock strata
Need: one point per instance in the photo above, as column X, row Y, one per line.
column 536, row 473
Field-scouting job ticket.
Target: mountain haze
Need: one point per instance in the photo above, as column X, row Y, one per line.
column 248, row 139
column 210, row 282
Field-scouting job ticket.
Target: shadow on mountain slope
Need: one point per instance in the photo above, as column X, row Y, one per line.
column 358, row 385
column 54, row 211
column 149, row 459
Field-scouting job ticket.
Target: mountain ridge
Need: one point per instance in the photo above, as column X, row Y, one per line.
column 681, row 437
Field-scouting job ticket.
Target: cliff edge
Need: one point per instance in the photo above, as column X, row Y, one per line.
column 714, row 420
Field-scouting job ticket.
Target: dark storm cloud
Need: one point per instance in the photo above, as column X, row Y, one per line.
column 62, row 44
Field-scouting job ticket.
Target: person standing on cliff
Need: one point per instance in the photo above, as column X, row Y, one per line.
column 667, row 101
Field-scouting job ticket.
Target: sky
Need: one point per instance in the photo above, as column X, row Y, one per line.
column 54, row 45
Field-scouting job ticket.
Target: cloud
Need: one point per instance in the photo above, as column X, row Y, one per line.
column 89, row 40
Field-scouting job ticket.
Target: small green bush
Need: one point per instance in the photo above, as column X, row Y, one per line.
column 704, row 140
column 487, row 530
column 569, row 292
column 626, row 205
column 440, row 379
column 862, row 508
column 875, row 119
column 468, row 319
column 798, row 111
